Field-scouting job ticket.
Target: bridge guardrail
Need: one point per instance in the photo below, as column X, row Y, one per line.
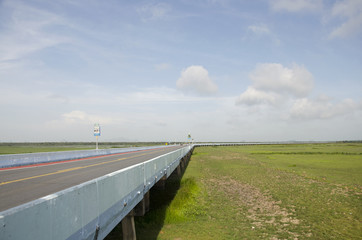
column 14, row 160
column 89, row 210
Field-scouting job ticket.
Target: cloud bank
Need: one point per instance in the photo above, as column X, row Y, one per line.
column 272, row 82
column 347, row 12
column 295, row 5
column 26, row 32
column 287, row 89
column 154, row 11
column 322, row 108
column 351, row 12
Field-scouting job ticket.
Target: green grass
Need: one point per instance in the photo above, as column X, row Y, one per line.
column 305, row 191
column 184, row 206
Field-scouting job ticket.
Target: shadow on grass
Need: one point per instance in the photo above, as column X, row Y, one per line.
column 149, row 226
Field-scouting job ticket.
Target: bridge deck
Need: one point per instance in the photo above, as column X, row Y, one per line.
column 24, row 184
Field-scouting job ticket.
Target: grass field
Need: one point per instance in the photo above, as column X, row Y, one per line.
column 291, row 191
column 306, row 191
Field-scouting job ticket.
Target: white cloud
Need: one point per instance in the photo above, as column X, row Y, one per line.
column 153, row 11
column 155, row 95
column 254, row 96
column 276, row 85
column 296, row 5
column 196, row 78
column 272, row 82
column 322, row 108
column 347, row 12
column 297, row 80
column 26, row 32
column 83, row 117
column 260, row 29
column 351, row 10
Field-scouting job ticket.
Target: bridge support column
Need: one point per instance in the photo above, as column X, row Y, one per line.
column 147, row 201
column 143, row 206
column 178, row 171
column 182, row 164
column 161, row 184
column 128, row 227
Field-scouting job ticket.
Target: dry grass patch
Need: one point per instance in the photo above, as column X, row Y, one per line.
column 257, row 206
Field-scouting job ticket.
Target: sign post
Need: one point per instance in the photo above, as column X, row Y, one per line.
column 189, row 138
column 97, row 133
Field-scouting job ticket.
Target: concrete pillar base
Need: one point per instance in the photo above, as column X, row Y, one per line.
column 128, row 227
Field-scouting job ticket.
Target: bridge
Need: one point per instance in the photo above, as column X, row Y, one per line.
column 82, row 194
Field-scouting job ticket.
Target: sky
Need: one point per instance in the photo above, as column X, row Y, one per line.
column 221, row 70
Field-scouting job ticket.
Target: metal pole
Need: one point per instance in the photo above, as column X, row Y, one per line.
column 96, row 142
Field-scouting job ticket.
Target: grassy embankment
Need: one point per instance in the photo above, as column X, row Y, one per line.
column 306, row 191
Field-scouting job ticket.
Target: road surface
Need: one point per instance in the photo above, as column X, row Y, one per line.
column 23, row 184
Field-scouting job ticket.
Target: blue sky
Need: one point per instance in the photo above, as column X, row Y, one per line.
column 222, row 70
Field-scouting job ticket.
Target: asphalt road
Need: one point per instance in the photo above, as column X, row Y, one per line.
column 24, row 184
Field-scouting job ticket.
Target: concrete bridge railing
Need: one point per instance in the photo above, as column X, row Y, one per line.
column 13, row 160
column 92, row 209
